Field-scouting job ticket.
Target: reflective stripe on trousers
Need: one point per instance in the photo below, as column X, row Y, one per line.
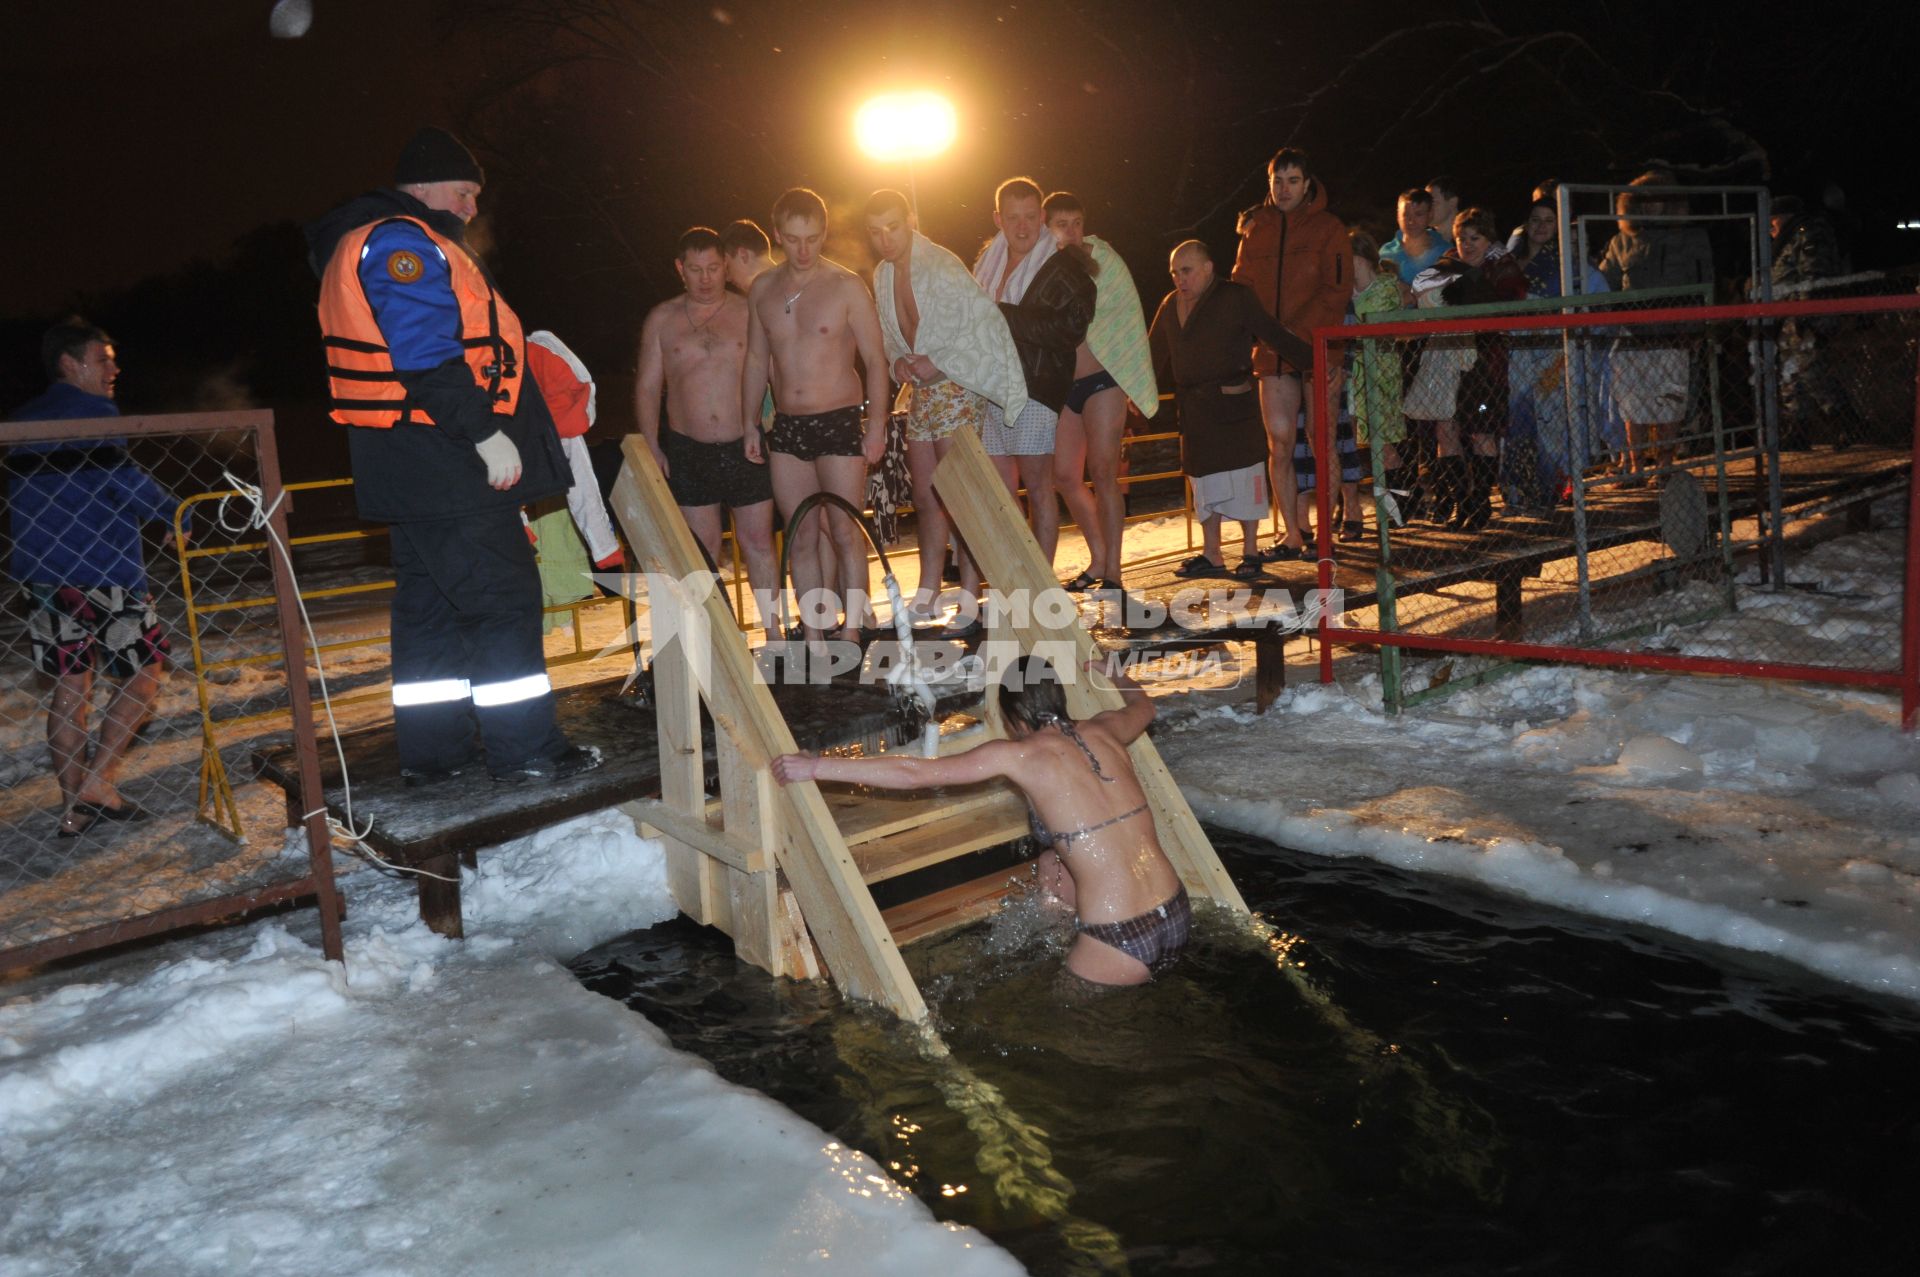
column 510, row 691
column 432, row 691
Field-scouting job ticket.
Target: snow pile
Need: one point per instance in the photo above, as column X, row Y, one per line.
column 1773, row 819
column 239, row 1104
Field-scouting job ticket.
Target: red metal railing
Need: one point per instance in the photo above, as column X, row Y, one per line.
column 1332, row 632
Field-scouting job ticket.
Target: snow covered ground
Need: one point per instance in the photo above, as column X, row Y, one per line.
column 235, row 1103
column 232, row 1103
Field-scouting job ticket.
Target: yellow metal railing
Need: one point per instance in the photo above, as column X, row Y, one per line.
column 217, row 804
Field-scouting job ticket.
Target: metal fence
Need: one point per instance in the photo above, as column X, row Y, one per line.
column 1619, row 487
column 108, row 741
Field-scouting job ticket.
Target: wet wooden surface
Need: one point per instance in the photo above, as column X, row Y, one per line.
column 415, row 825
column 1181, row 612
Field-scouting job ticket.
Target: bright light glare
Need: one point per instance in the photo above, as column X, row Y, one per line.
column 905, row 126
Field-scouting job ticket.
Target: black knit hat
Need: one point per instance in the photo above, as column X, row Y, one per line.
column 435, row 155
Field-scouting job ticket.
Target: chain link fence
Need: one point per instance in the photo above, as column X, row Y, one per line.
column 117, row 818
column 1638, row 479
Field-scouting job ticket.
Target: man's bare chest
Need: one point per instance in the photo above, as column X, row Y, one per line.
column 905, row 308
column 720, row 341
column 806, row 318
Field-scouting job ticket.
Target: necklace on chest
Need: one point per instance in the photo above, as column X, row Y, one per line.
column 795, row 296
column 701, row 329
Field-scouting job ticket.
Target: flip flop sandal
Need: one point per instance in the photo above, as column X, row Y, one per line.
column 1200, row 566
column 1080, row 584
column 1246, row 570
column 92, row 820
column 128, row 810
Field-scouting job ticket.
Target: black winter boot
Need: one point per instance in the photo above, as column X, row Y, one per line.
column 1476, row 505
column 1405, row 478
column 1447, row 486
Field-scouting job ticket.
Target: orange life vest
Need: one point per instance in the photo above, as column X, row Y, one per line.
column 360, row 375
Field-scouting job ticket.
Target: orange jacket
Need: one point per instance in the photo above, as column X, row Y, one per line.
column 567, row 396
column 1299, row 265
column 365, row 389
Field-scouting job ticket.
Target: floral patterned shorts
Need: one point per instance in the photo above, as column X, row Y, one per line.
column 942, row 408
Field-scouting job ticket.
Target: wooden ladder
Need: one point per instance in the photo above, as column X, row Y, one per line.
column 787, row 871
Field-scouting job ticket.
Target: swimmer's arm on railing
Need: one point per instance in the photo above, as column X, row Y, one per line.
column 1131, row 719
column 893, row 771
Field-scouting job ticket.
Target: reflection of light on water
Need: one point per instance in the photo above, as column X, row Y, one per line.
column 862, row 1181
column 906, row 1169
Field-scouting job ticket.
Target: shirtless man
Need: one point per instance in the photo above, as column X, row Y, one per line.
column 1104, row 861
column 747, row 252
column 807, row 320
column 694, row 346
column 1086, row 444
column 951, row 348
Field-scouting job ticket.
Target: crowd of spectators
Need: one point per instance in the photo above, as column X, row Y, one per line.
column 1460, row 417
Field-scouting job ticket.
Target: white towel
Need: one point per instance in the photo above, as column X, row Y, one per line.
column 993, row 262
column 961, row 329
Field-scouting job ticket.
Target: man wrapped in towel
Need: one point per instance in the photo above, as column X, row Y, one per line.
column 1111, row 369
column 1048, row 296
column 949, row 346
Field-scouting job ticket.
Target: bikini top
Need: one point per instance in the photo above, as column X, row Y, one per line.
column 1045, row 835
column 1040, row 830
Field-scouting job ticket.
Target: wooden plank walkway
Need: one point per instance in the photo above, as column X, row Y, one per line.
column 1171, row 613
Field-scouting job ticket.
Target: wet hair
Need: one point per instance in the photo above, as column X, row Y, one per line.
column 1417, row 196
column 1061, row 202
column 1478, row 219
column 1364, row 246
column 745, row 234
column 802, row 203
column 888, row 200
column 1032, row 695
column 71, row 336
column 1289, row 157
column 1446, row 184
column 696, row 238
column 1015, row 188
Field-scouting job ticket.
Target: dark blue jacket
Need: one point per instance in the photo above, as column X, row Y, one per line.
column 77, row 508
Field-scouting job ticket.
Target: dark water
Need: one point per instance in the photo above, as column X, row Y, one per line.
column 1409, row 1077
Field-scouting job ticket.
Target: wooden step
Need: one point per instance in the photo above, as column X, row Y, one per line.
column 944, row 832
column 865, row 815
column 943, row 911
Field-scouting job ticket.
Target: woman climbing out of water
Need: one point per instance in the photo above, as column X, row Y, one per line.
column 1104, row 859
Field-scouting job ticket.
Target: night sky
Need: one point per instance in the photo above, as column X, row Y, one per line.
column 160, row 150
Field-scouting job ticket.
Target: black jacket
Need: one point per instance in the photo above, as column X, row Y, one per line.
column 1049, row 324
column 415, row 472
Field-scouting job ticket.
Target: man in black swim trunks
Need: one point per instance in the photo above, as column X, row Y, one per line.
column 693, row 348
column 807, row 319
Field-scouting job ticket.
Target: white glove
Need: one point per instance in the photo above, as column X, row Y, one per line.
column 502, row 458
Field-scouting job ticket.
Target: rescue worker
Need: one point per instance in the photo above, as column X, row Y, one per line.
column 449, row 437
